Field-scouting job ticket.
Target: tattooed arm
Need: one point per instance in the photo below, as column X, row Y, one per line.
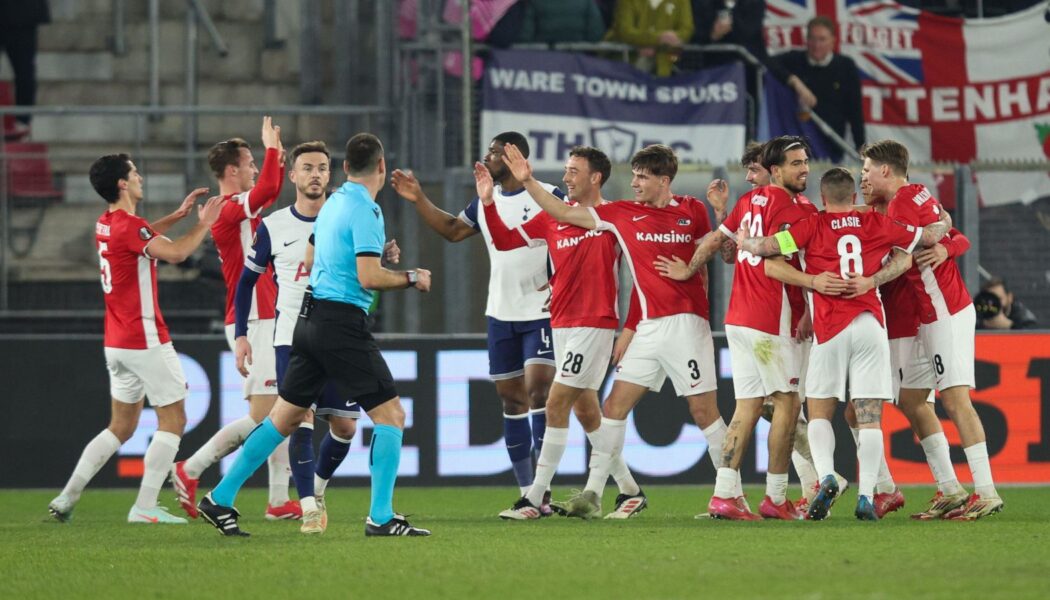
column 857, row 284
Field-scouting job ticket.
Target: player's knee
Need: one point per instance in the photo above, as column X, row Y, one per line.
column 343, row 428
column 122, row 431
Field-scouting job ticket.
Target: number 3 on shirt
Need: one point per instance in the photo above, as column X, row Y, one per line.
column 104, row 269
column 849, row 256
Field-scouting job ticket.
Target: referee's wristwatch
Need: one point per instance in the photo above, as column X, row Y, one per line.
column 412, row 277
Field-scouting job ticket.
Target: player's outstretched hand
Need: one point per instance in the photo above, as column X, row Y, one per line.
column 718, row 195
column 209, row 212
column 517, row 163
column 187, row 204
column 243, row 351
column 620, row 347
column 271, row 135
column 830, row 284
column 423, row 280
column 674, row 268
column 483, row 183
column 406, row 185
column 931, row 257
column 391, row 252
column 857, row 285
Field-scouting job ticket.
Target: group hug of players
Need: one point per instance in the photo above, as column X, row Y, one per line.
column 800, row 273
column 806, row 312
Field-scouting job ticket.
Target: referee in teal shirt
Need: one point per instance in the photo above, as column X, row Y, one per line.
column 332, row 343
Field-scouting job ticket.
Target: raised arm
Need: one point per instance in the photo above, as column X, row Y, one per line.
column 448, row 226
column 163, row 224
column 271, row 177
column 503, row 237
column 179, row 250
column 563, row 213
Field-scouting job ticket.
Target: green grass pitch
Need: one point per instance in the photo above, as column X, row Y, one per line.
column 662, row 553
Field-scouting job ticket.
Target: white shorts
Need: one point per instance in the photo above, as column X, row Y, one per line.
column 262, row 373
column 910, row 367
column 776, row 371
column 949, row 345
column 802, row 349
column 860, row 352
column 677, row 346
column 582, row 355
column 155, row 371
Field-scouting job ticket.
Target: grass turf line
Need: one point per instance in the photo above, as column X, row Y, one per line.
column 663, row 553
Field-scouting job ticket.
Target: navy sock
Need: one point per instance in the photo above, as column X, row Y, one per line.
column 301, row 454
column 539, row 427
column 331, row 455
column 518, row 436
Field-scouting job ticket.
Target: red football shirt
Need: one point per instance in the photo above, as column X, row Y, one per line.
column 129, row 282
column 796, row 295
column 233, row 234
column 756, row 301
column 645, row 232
column 585, row 264
column 848, row 242
column 941, row 292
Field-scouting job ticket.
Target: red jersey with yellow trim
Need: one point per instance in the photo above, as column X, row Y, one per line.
column 233, row 233
column 941, row 292
column 847, row 242
column 585, row 264
column 646, row 232
column 129, row 282
column 756, row 301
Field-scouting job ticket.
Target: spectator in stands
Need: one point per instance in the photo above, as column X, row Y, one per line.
column 736, row 22
column 998, row 309
column 19, row 20
column 825, row 82
column 554, row 21
column 659, row 28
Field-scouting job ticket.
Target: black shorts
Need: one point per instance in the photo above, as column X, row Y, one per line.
column 333, row 344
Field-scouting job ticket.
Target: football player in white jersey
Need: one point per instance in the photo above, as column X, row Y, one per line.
column 521, row 356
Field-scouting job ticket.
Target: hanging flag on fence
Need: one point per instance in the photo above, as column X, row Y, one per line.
column 559, row 100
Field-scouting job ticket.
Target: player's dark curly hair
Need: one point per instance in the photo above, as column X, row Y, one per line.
column 515, row 138
column 106, row 173
column 596, row 159
column 658, row 160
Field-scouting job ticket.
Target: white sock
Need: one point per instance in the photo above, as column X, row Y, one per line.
column 715, row 434
column 157, row 462
column 280, row 472
column 620, row 472
column 807, row 473
column 776, row 487
column 869, row 452
column 937, row 456
column 95, row 454
column 224, row 441
column 726, row 483
column 802, row 439
column 308, row 503
column 822, row 446
column 608, row 443
column 554, row 441
column 981, row 470
column 320, row 484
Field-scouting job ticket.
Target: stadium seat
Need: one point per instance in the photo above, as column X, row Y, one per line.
column 30, row 188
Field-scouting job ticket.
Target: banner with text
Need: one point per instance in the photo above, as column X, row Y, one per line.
column 454, row 420
column 560, row 100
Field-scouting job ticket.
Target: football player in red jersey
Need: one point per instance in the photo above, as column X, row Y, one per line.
column 139, row 355
column 946, row 329
column 233, row 166
column 850, row 334
column 673, row 335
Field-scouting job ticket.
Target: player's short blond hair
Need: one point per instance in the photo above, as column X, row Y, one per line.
column 888, row 152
